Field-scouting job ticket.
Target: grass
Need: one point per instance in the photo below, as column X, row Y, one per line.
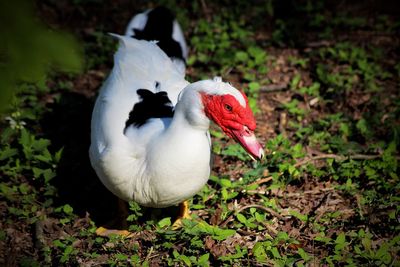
column 326, row 194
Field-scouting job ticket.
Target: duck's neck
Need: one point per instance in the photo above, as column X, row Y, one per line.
column 180, row 157
column 189, row 122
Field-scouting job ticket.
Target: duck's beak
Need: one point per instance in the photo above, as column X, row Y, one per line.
column 246, row 138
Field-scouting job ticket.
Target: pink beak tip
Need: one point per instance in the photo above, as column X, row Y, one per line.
column 250, row 143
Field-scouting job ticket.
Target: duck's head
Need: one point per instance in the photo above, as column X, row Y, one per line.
column 229, row 108
column 225, row 105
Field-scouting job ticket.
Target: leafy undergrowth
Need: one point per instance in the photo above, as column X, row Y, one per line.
column 325, row 89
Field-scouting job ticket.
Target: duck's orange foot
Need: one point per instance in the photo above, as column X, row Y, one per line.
column 183, row 214
column 102, row 231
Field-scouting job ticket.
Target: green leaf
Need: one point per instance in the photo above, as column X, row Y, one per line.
column 166, row 222
column 340, row 242
column 383, row 254
column 44, row 158
column 260, row 217
column 48, row 174
column 298, row 215
column 257, row 53
column 366, row 242
column 8, row 152
column 67, row 252
column 295, row 81
column 203, row 260
column 58, row 155
column 340, row 239
column 275, row 252
column 297, row 151
column 259, row 252
column 222, row 234
column 186, row 260
column 254, row 107
column 235, row 150
column 25, row 139
column 58, row 243
column 225, row 183
column 217, row 134
column 24, row 188
column 241, row 56
column 303, row 254
column 41, row 146
column 176, row 254
column 7, row 191
column 362, row 126
column 121, row 257
column 254, row 87
column 224, row 194
column 241, row 218
column 37, row 172
column 67, row 209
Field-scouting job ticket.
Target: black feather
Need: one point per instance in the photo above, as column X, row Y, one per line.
column 152, row 105
column 159, row 27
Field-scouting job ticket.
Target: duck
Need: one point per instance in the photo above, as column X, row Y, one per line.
column 150, row 140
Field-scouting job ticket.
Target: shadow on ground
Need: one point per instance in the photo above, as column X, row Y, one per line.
column 67, row 124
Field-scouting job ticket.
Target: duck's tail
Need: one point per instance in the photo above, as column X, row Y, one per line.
column 160, row 25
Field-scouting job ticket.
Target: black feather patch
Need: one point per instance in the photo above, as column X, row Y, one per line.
column 159, row 27
column 153, row 105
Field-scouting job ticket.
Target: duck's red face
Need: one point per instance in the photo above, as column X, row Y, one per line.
column 235, row 120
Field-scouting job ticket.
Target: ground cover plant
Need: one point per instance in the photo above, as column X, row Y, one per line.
column 323, row 81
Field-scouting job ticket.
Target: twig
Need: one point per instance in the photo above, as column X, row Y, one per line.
column 261, row 181
column 270, row 229
column 262, row 192
column 149, row 254
column 243, row 232
column 337, row 157
column 318, row 44
column 156, row 255
column 274, row 88
column 39, row 236
column 209, row 197
column 283, row 123
column 311, row 192
column 227, row 71
column 224, row 223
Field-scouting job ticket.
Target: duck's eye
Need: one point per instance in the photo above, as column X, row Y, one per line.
column 228, row 107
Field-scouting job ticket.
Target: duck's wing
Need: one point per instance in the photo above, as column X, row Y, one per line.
column 143, row 84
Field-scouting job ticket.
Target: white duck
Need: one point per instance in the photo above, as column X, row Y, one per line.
column 150, row 139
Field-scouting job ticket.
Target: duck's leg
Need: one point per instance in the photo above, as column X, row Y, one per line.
column 183, row 214
column 120, row 222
